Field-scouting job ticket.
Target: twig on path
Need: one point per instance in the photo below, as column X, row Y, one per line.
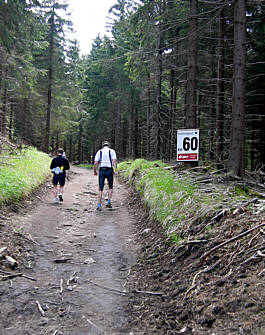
column 260, row 254
column 11, row 261
column 31, row 238
column 106, row 287
column 27, row 277
column 56, row 331
column 26, row 238
column 92, row 323
column 61, row 286
column 40, row 308
column 193, row 282
column 231, row 240
column 2, row 250
column 13, row 275
column 149, row 292
column 62, row 260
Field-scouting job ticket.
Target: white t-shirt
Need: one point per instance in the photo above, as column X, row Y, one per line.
column 105, row 157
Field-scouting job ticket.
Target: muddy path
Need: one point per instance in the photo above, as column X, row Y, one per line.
column 75, row 266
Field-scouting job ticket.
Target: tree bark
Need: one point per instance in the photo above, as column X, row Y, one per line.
column 191, row 108
column 4, row 111
column 50, row 82
column 220, row 91
column 236, row 160
column 158, row 94
column 191, row 94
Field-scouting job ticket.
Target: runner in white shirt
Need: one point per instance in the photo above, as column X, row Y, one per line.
column 106, row 160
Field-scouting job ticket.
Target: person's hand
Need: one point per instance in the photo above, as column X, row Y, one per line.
column 95, row 173
column 115, row 173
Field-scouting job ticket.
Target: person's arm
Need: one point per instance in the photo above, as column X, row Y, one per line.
column 52, row 165
column 114, row 162
column 66, row 165
column 95, row 168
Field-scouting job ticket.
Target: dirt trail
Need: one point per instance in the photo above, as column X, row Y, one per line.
column 80, row 259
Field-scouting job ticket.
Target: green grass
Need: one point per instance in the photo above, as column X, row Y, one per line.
column 21, row 173
column 175, row 202
column 132, row 168
column 164, row 195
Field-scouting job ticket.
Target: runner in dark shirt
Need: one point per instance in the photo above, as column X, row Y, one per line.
column 58, row 166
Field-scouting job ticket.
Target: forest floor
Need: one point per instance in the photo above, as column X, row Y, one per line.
column 80, row 271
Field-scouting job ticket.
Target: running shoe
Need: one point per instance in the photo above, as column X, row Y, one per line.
column 99, row 209
column 60, row 197
column 108, row 204
column 56, row 201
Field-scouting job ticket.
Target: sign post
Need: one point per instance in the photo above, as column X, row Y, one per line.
column 188, row 145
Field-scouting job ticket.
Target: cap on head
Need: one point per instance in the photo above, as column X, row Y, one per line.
column 60, row 151
column 105, row 144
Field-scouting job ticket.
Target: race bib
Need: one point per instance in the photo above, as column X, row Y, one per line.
column 57, row 170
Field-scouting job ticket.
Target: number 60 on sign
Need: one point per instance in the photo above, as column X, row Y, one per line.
column 188, row 145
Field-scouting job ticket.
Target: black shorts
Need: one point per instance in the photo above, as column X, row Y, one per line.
column 58, row 178
column 105, row 173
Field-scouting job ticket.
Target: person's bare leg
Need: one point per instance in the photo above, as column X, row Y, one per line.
column 55, row 191
column 99, row 198
column 61, row 193
column 110, row 192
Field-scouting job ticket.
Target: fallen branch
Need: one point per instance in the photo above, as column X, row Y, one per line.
column 106, row 287
column 260, row 254
column 61, row 286
column 11, row 261
column 40, row 308
column 62, row 260
column 193, row 282
column 26, row 238
column 230, row 240
column 149, row 292
column 13, row 275
column 92, row 323
column 195, row 242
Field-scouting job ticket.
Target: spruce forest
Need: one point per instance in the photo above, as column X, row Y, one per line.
column 169, row 65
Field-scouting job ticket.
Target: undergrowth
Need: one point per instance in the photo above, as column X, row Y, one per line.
column 172, row 201
column 21, row 172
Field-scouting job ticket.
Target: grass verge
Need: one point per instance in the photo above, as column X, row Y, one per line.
column 175, row 200
column 21, row 172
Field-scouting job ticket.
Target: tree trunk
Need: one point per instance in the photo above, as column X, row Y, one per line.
column 4, row 111
column 220, row 91
column 236, row 160
column 136, row 134
column 24, row 120
column 148, row 116
column 158, row 94
column 191, row 95
column 50, row 82
column 172, row 121
column 118, row 125
column 191, row 108
column 11, row 121
column 71, row 148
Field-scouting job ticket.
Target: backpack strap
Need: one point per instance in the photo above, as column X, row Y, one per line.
column 110, row 158
column 100, row 157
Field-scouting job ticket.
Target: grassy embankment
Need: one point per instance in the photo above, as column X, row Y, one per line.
column 21, row 172
column 176, row 202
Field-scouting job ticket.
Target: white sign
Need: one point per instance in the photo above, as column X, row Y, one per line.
column 188, row 145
